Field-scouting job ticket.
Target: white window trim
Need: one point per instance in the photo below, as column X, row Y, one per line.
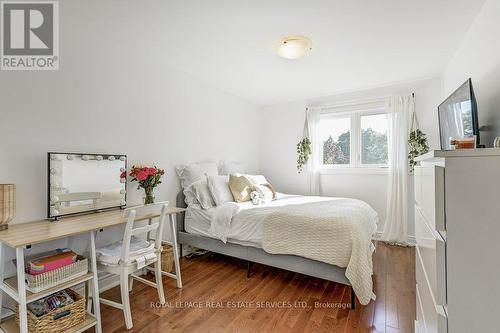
column 364, row 171
column 354, row 112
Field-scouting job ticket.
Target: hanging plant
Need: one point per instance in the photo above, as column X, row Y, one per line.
column 303, row 150
column 417, row 145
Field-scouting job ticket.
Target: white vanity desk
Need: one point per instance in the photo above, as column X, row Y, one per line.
column 21, row 236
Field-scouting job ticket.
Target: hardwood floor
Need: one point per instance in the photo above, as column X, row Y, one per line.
column 218, row 297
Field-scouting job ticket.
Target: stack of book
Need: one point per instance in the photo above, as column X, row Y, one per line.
column 61, row 258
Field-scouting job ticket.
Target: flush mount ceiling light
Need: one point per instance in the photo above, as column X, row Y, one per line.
column 294, row 47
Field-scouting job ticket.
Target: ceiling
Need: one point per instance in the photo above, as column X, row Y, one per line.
column 356, row 44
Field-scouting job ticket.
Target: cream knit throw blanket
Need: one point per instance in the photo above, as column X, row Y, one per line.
column 336, row 232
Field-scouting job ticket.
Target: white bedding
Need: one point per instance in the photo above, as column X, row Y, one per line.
column 197, row 221
column 246, row 227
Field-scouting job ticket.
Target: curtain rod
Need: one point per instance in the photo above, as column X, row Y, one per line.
column 354, row 102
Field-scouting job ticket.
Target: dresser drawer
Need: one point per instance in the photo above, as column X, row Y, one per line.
column 434, row 319
column 432, row 251
column 429, row 194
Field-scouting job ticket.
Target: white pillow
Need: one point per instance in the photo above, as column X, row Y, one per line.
column 258, row 179
column 227, row 168
column 198, row 194
column 190, row 173
column 219, row 188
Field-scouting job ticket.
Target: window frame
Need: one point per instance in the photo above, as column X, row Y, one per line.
column 355, row 158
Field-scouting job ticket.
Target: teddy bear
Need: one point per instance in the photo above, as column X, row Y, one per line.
column 256, row 199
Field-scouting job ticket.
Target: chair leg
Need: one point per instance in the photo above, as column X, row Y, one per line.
column 125, row 299
column 130, row 283
column 159, row 281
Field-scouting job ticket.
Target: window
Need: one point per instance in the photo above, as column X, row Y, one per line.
column 336, row 140
column 374, row 139
column 354, row 139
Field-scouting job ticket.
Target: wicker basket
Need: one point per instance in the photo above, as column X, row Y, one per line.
column 167, row 258
column 58, row 320
column 40, row 282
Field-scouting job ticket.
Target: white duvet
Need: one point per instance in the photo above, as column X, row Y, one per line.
column 333, row 230
column 245, row 221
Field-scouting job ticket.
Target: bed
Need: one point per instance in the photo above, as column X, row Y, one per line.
column 245, row 237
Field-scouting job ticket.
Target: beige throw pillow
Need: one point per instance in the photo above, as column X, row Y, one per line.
column 241, row 186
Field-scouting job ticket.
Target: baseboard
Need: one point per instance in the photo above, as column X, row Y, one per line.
column 411, row 239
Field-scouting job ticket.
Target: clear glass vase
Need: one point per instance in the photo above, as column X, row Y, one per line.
column 149, row 196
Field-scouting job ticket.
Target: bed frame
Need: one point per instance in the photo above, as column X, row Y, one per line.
column 252, row 254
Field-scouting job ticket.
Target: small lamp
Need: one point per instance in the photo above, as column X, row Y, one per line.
column 7, row 204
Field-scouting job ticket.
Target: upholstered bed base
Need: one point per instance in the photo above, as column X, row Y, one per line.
column 252, row 254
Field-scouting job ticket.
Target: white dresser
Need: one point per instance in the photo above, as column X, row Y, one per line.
column 457, row 228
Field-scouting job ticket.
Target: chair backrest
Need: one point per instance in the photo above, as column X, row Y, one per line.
column 148, row 213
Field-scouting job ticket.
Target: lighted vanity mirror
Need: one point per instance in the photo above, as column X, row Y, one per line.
column 79, row 183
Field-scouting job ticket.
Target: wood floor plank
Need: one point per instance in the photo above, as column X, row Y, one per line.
column 392, row 290
column 380, row 263
column 228, row 301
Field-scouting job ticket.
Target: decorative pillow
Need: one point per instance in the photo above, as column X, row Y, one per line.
column 190, row 173
column 198, row 193
column 265, row 192
column 241, row 186
column 227, row 168
column 219, row 188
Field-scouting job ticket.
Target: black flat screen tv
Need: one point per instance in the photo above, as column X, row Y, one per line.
column 458, row 116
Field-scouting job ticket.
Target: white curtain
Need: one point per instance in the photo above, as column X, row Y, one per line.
column 312, row 125
column 396, row 223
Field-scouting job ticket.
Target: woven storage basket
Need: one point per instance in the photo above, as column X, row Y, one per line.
column 58, row 320
column 167, row 258
column 40, row 282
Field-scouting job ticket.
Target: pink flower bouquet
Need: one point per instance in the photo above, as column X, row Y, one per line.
column 148, row 178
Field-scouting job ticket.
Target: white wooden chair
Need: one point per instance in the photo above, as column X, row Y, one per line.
column 128, row 262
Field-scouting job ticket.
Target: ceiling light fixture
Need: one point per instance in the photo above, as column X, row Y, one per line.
column 294, row 47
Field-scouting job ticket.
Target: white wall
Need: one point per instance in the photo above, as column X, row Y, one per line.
column 281, row 129
column 115, row 93
column 478, row 57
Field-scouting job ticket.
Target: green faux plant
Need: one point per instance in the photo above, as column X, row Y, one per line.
column 417, row 145
column 303, row 150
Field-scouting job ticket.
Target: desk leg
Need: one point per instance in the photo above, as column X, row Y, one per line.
column 95, row 285
column 175, row 247
column 21, row 290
